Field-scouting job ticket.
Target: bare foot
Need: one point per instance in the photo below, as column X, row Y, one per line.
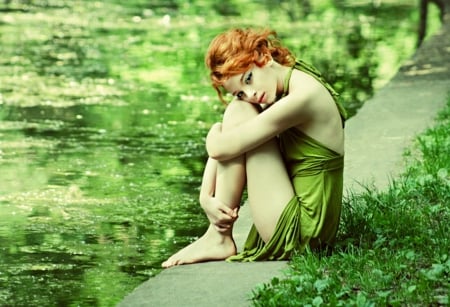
column 208, row 247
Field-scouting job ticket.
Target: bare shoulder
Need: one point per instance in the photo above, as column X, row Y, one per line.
column 305, row 85
column 313, row 96
column 323, row 121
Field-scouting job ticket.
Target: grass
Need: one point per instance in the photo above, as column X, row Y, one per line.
column 394, row 244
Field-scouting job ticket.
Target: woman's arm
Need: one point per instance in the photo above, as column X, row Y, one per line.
column 208, row 181
column 218, row 213
column 288, row 112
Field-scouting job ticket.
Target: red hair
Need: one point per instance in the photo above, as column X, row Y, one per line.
column 235, row 51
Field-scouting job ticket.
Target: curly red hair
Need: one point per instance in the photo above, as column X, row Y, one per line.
column 235, row 51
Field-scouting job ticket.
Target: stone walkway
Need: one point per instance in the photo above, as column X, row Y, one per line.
column 375, row 140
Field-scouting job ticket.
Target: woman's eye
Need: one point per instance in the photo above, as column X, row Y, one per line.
column 249, row 78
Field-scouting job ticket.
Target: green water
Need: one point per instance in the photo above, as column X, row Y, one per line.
column 103, row 111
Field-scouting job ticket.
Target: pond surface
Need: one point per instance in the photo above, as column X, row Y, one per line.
column 104, row 107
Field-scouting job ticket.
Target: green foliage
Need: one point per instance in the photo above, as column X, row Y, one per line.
column 393, row 246
column 159, row 41
column 347, row 56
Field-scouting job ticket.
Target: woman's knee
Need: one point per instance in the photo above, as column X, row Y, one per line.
column 238, row 112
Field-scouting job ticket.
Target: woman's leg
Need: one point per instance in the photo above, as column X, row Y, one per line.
column 269, row 190
column 269, row 187
column 230, row 182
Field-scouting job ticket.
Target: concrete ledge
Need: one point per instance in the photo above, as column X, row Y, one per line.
column 375, row 140
column 375, row 146
column 205, row 284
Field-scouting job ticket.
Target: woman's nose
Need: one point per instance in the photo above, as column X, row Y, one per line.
column 250, row 93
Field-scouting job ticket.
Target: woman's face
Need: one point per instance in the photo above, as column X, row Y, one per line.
column 257, row 85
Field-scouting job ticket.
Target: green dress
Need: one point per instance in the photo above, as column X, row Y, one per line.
column 311, row 218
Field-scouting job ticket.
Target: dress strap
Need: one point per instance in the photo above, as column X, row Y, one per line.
column 286, row 82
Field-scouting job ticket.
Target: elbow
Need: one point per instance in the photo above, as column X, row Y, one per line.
column 220, row 150
column 214, row 152
column 222, row 157
column 221, row 153
column 216, row 155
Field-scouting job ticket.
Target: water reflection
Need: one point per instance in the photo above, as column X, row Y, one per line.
column 94, row 197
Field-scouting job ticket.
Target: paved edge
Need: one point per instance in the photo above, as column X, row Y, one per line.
column 375, row 140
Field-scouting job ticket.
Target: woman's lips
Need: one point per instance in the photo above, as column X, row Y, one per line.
column 261, row 99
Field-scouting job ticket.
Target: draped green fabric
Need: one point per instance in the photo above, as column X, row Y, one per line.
column 311, row 218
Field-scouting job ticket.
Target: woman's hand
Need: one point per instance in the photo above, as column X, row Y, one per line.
column 219, row 214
